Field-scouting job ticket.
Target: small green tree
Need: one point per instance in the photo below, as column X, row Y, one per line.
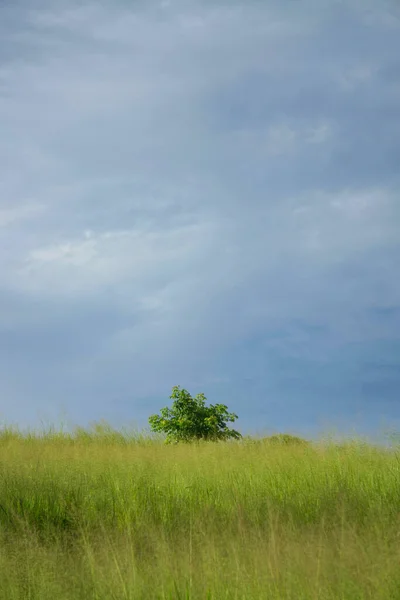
column 190, row 419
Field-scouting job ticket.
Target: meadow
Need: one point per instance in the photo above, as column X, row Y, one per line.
column 101, row 514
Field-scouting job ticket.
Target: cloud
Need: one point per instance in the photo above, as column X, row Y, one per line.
column 11, row 215
column 183, row 177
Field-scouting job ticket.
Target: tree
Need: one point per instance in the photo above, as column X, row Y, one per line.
column 190, row 419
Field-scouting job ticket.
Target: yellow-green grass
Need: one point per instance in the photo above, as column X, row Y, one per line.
column 101, row 515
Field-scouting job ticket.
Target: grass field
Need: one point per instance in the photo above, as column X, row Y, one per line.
column 101, row 515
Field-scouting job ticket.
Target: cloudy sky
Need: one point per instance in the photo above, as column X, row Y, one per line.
column 205, row 194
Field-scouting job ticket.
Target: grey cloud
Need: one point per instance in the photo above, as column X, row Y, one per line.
column 227, row 171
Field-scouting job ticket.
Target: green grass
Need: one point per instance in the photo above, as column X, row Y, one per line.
column 104, row 515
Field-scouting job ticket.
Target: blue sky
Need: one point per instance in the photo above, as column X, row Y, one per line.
column 204, row 194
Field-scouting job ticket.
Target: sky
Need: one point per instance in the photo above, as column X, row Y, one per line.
column 203, row 194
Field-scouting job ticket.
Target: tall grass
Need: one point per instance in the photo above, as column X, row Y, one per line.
column 106, row 515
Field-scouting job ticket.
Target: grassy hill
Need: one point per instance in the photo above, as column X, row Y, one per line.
column 98, row 514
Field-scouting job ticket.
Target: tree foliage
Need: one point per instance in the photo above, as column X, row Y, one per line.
column 190, row 419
